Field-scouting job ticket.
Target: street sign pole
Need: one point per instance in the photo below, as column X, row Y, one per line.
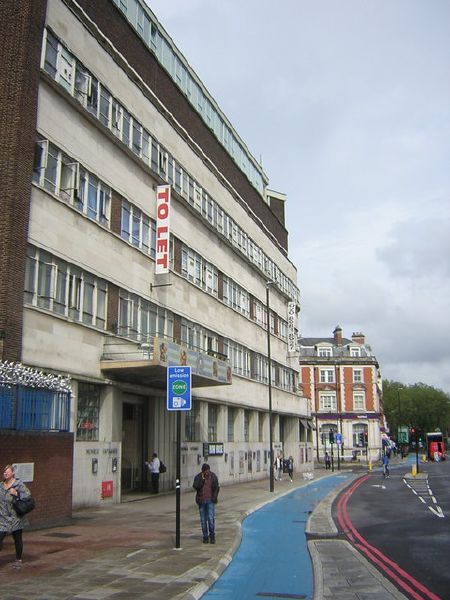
column 178, row 484
column 178, row 399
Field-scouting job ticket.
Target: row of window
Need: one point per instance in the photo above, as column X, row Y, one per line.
column 60, row 287
column 55, row 285
column 358, row 429
column 325, row 351
column 58, row 173
column 329, row 376
column 197, row 95
column 66, row 70
column 327, row 402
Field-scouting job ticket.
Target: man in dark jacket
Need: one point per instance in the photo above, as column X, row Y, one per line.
column 207, row 487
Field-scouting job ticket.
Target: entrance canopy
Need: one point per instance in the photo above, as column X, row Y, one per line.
column 145, row 363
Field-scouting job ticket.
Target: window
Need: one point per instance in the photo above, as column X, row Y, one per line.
column 358, row 402
column 326, row 375
column 355, row 351
column 260, row 368
column 357, row 376
column 192, row 423
column 359, row 429
column 327, row 402
column 325, row 432
column 324, row 351
column 212, row 422
column 51, row 54
column 231, row 421
column 88, row 410
column 83, row 84
column 105, row 107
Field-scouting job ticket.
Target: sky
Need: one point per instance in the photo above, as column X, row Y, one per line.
column 347, row 104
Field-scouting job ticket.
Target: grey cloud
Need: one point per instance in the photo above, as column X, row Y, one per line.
column 418, row 248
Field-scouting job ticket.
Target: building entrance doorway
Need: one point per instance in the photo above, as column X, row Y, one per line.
column 133, row 423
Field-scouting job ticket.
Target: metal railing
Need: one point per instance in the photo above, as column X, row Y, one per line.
column 32, row 409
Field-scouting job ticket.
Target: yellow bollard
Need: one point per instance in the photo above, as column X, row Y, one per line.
column 370, row 465
column 424, row 458
column 414, row 470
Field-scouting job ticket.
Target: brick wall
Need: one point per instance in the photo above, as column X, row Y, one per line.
column 52, row 455
column 21, row 25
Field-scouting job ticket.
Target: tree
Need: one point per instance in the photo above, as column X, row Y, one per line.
column 418, row 405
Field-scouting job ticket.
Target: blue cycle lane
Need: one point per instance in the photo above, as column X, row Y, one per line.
column 273, row 559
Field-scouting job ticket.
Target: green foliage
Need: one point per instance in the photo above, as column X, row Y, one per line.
column 418, row 405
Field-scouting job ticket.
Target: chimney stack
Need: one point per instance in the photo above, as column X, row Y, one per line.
column 337, row 335
column 358, row 338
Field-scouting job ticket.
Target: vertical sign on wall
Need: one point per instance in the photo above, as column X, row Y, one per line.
column 292, row 318
column 162, row 229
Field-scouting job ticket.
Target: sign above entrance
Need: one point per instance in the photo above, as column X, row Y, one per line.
column 179, row 388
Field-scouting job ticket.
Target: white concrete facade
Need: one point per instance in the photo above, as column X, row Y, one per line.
column 132, row 419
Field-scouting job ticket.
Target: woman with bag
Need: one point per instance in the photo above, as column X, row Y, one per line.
column 10, row 521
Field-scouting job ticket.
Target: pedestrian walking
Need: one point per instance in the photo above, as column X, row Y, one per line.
column 10, row 522
column 290, row 467
column 206, row 484
column 327, row 461
column 278, row 464
column 385, row 465
column 153, row 467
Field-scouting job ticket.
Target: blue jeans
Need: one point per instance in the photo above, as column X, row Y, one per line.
column 207, row 510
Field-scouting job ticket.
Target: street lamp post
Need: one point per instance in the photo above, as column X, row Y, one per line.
column 269, row 366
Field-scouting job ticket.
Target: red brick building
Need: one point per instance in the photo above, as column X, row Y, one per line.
column 342, row 379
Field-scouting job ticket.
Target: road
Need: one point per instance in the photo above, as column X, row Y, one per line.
column 402, row 524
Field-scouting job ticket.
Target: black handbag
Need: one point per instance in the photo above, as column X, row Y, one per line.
column 22, row 506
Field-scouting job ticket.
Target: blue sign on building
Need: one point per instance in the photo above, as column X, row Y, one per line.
column 179, row 388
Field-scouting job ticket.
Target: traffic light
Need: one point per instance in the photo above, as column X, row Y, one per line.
column 366, row 438
column 331, row 437
column 361, row 438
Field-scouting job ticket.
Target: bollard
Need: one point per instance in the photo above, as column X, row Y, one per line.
column 370, row 466
column 424, row 458
column 413, row 470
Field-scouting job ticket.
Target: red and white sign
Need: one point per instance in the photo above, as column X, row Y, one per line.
column 162, row 229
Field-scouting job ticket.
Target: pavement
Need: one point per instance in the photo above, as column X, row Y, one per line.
column 127, row 551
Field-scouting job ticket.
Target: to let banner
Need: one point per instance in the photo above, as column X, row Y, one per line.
column 162, row 229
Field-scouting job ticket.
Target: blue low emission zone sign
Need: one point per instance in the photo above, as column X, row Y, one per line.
column 178, row 388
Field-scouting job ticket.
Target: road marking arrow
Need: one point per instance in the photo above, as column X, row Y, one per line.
column 383, row 487
column 437, row 511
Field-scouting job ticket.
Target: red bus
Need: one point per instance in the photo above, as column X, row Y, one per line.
column 435, row 446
